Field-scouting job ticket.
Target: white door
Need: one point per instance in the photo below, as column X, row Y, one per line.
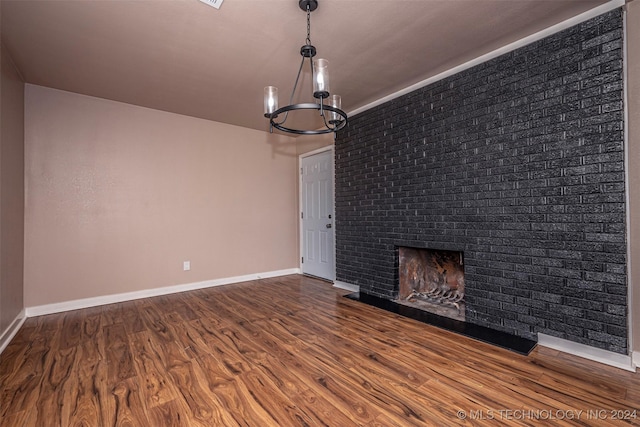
column 317, row 215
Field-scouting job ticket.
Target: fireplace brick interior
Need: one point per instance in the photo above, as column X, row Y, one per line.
column 432, row 280
column 518, row 163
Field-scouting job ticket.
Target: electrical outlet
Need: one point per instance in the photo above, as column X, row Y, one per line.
column 186, row 266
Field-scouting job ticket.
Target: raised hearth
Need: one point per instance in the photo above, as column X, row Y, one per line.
column 505, row 340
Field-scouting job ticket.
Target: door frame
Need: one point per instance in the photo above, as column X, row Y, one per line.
column 330, row 148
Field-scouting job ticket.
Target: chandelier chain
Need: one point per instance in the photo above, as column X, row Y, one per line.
column 308, row 25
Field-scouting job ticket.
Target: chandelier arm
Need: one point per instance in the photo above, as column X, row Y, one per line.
column 293, row 92
column 313, row 77
column 335, row 125
column 308, row 40
column 295, row 86
column 324, row 119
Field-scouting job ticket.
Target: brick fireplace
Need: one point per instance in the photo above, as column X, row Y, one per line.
column 518, row 163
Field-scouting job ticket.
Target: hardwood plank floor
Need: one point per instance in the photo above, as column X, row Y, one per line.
column 288, row 351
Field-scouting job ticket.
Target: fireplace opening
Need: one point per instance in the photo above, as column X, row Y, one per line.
column 432, row 280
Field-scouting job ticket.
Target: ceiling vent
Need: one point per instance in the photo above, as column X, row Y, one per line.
column 214, row 3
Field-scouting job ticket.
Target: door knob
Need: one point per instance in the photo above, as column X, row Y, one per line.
column 328, row 225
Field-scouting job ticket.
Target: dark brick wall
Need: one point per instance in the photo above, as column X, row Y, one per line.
column 518, row 162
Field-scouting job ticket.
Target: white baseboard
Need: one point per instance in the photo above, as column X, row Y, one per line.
column 12, row 330
column 596, row 354
column 635, row 359
column 41, row 310
column 346, row 286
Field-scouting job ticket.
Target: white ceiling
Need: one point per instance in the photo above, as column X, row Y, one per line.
column 186, row 57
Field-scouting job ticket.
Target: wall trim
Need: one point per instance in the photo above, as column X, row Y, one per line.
column 317, row 151
column 585, row 16
column 587, row 352
column 635, row 359
column 41, row 310
column 346, row 286
column 627, row 181
column 12, row 330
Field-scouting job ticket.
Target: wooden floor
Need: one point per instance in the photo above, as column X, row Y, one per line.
column 289, row 351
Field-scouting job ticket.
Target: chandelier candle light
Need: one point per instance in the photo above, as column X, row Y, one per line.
column 333, row 117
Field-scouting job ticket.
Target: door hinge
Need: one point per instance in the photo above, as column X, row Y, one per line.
column 302, row 260
column 301, row 171
column 301, row 215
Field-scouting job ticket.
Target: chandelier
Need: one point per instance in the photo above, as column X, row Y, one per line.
column 332, row 116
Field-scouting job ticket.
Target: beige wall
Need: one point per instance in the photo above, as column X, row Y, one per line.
column 118, row 196
column 633, row 88
column 11, row 191
column 306, row 144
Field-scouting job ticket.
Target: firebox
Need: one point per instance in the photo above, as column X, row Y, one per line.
column 432, row 280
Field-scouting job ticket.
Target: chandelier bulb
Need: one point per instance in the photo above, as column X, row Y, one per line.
column 336, row 102
column 270, row 100
column 321, row 78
